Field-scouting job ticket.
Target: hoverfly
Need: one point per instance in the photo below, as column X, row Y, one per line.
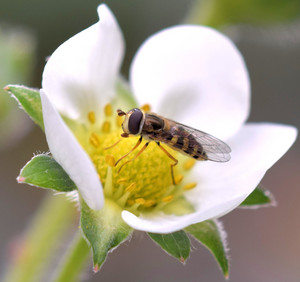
column 184, row 139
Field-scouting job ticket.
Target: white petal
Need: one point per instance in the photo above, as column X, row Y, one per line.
column 195, row 75
column 223, row 186
column 71, row 156
column 162, row 223
column 80, row 75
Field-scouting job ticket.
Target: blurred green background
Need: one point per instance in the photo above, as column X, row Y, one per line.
column 264, row 243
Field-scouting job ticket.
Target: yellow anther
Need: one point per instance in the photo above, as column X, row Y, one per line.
column 149, row 203
column 131, row 187
column 140, row 201
column 189, row 186
column 146, row 108
column 122, row 180
column 95, row 140
column 189, row 164
column 178, row 179
column 168, row 198
column 130, row 202
column 147, row 184
column 110, row 160
column 92, row 117
column 119, row 121
column 106, row 127
column 108, row 110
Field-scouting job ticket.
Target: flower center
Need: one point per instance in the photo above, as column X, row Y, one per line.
column 137, row 184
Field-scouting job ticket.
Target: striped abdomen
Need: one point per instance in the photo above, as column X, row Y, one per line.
column 182, row 141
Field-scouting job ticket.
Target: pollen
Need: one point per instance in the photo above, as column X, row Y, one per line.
column 94, row 140
column 122, row 180
column 189, row 186
column 130, row 188
column 146, row 108
column 168, row 198
column 189, row 164
column 178, row 179
column 106, row 127
column 108, row 110
column 140, row 201
column 149, row 203
column 92, row 117
column 145, row 182
column 110, row 160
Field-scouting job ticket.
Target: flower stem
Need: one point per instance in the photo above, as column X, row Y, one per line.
column 74, row 261
column 35, row 249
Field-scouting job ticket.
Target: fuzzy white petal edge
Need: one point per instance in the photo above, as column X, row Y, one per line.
column 70, row 155
column 194, row 75
column 223, row 187
column 80, row 76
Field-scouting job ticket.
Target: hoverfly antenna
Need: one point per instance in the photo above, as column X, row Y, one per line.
column 121, row 113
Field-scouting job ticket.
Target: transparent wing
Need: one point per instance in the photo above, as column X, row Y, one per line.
column 213, row 148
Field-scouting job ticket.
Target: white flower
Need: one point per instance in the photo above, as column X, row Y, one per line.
column 191, row 74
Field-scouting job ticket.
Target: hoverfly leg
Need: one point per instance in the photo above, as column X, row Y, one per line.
column 136, row 145
column 113, row 145
column 172, row 158
column 135, row 157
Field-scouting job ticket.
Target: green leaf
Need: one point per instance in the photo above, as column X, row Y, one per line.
column 259, row 197
column 30, row 101
column 43, row 171
column 211, row 235
column 176, row 244
column 218, row 13
column 104, row 229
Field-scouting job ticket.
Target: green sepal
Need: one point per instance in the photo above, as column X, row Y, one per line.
column 103, row 229
column 212, row 236
column 259, row 197
column 43, row 171
column 30, row 100
column 176, row 244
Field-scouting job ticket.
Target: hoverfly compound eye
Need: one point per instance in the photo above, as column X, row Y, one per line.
column 134, row 121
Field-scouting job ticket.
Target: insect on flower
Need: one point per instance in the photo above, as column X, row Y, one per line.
column 188, row 141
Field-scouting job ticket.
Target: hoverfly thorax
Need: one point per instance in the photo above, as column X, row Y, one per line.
column 133, row 122
column 187, row 140
column 153, row 123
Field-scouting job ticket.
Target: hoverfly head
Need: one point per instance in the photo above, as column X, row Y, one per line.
column 133, row 122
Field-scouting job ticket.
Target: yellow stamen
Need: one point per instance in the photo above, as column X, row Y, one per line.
column 92, row 117
column 178, row 179
column 95, row 140
column 122, row 200
column 149, row 203
column 108, row 110
column 145, row 184
column 122, row 180
column 110, row 160
column 140, row 201
column 189, row 186
column 168, row 198
column 189, row 164
column 130, row 202
column 106, row 127
column 131, row 187
column 146, row 108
